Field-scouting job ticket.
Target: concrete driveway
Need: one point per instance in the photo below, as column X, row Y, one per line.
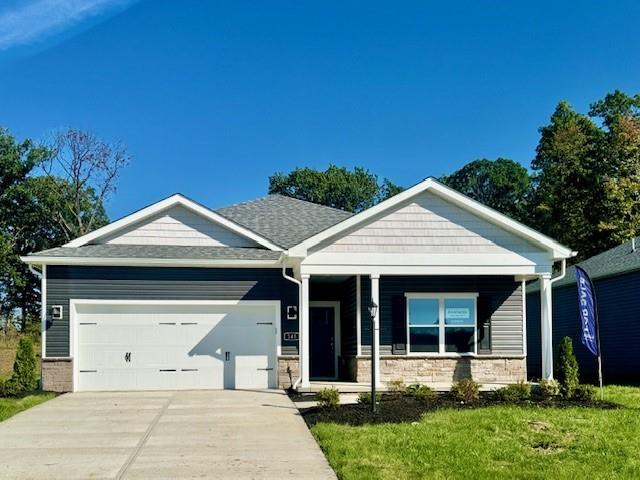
column 195, row 434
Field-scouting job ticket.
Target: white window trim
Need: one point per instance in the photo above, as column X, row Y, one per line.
column 441, row 297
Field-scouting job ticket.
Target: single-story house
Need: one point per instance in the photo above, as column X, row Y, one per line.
column 616, row 279
column 278, row 292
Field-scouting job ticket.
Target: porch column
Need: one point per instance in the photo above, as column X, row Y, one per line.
column 546, row 313
column 304, row 332
column 375, row 298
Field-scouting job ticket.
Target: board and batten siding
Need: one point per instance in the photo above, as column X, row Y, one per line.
column 618, row 307
column 429, row 224
column 149, row 283
column 179, row 226
column 503, row 294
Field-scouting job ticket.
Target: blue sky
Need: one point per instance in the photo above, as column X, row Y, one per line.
column 213, row 97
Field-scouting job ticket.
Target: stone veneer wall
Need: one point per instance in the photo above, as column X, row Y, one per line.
column 486, row 369
column 288, row 370
column 57, row 374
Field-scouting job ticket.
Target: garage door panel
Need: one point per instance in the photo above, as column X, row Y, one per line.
column 175, row 346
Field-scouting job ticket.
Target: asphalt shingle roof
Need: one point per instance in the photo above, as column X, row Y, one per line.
column 168, row 252
column 283, row 220
column 618, row 260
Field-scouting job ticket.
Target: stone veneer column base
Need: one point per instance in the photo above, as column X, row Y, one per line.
column 482, row 369
column 288, row 370
column 57, row 374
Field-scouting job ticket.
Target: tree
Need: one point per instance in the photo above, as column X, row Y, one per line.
column 619, row 167
column 501, row 184
column 18, row 287
column 25, row 371
column 86, row 170
column 568, row 372
column 587, row 176
column 336, row 187
column 565, row 181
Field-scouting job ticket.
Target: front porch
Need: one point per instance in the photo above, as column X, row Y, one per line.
column 486, row 342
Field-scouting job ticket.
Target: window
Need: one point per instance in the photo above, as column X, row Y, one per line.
column 441, row 323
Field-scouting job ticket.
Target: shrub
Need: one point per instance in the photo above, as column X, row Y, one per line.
column 584, row 392
column 397, row 387
column 549, row 389
column 515, row 392
column 466, row 390
column 364, row 398
column 567, row 368
column 328, row 398
column 421, row 392
column 25, row 371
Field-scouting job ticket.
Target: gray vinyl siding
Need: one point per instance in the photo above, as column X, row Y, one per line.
column 618, row 307
column 504, row 295
column 149, row 283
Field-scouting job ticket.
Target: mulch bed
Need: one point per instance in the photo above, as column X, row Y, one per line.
column 406, row 409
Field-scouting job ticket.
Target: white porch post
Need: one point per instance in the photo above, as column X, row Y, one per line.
column 375, row 298
column 304, row 333
column 546, row 314
column 358, row 316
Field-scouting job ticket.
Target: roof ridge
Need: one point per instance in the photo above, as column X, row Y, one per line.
column 287, row 197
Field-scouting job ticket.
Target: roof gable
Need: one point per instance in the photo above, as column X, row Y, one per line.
column 448, row 196
column 179, row 226
column 200, row 222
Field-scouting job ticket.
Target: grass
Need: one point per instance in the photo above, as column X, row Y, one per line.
column 494, row 442
column 10, row 406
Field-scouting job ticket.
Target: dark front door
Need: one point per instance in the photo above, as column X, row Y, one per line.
column 323, row 342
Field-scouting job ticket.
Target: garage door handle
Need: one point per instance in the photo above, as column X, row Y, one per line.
column 127, row 357
column 264, row 323
column 263, row 369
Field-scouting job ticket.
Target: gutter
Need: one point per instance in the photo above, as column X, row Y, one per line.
column 295, row 384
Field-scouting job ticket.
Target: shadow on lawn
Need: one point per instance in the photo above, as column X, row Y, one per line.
column 406, row 409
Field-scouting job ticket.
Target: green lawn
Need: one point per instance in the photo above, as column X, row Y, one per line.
column 10, row 406
column 497, row 442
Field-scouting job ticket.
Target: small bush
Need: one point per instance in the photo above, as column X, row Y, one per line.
column 364, row 398
column 328, row 398
column 25, row 371
column 584, row 392
column 421, row 392
column 396, row 387
column 466, row 390
column 549, row 389
column 516, row 392
column 567, row 368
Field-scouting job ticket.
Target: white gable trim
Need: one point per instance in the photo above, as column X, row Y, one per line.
column 162, row 205
column 558, row 251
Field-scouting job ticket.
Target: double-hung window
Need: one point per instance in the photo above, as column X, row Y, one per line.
column 441, row 323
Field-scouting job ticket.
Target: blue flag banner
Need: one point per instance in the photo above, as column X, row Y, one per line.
column 588, row 311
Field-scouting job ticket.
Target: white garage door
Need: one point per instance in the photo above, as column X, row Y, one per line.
column 174, row 346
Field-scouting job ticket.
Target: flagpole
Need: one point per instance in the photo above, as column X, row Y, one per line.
column 597, row 319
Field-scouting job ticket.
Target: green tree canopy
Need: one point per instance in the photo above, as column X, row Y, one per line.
column 501, row 184
column 38, row 210
column 351, row 190
column 587, row 174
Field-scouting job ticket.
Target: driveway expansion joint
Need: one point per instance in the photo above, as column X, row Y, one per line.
column 123, row 470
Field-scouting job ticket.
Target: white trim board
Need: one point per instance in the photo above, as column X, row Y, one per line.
column 169, row 202
column 73, row 324
column 557, row 250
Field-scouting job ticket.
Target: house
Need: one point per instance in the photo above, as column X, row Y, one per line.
column 277, row 292
column 616, row 278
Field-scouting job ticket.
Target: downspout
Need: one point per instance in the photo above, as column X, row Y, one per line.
column 562, row 275
column 43, row 316
column 295, row 384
